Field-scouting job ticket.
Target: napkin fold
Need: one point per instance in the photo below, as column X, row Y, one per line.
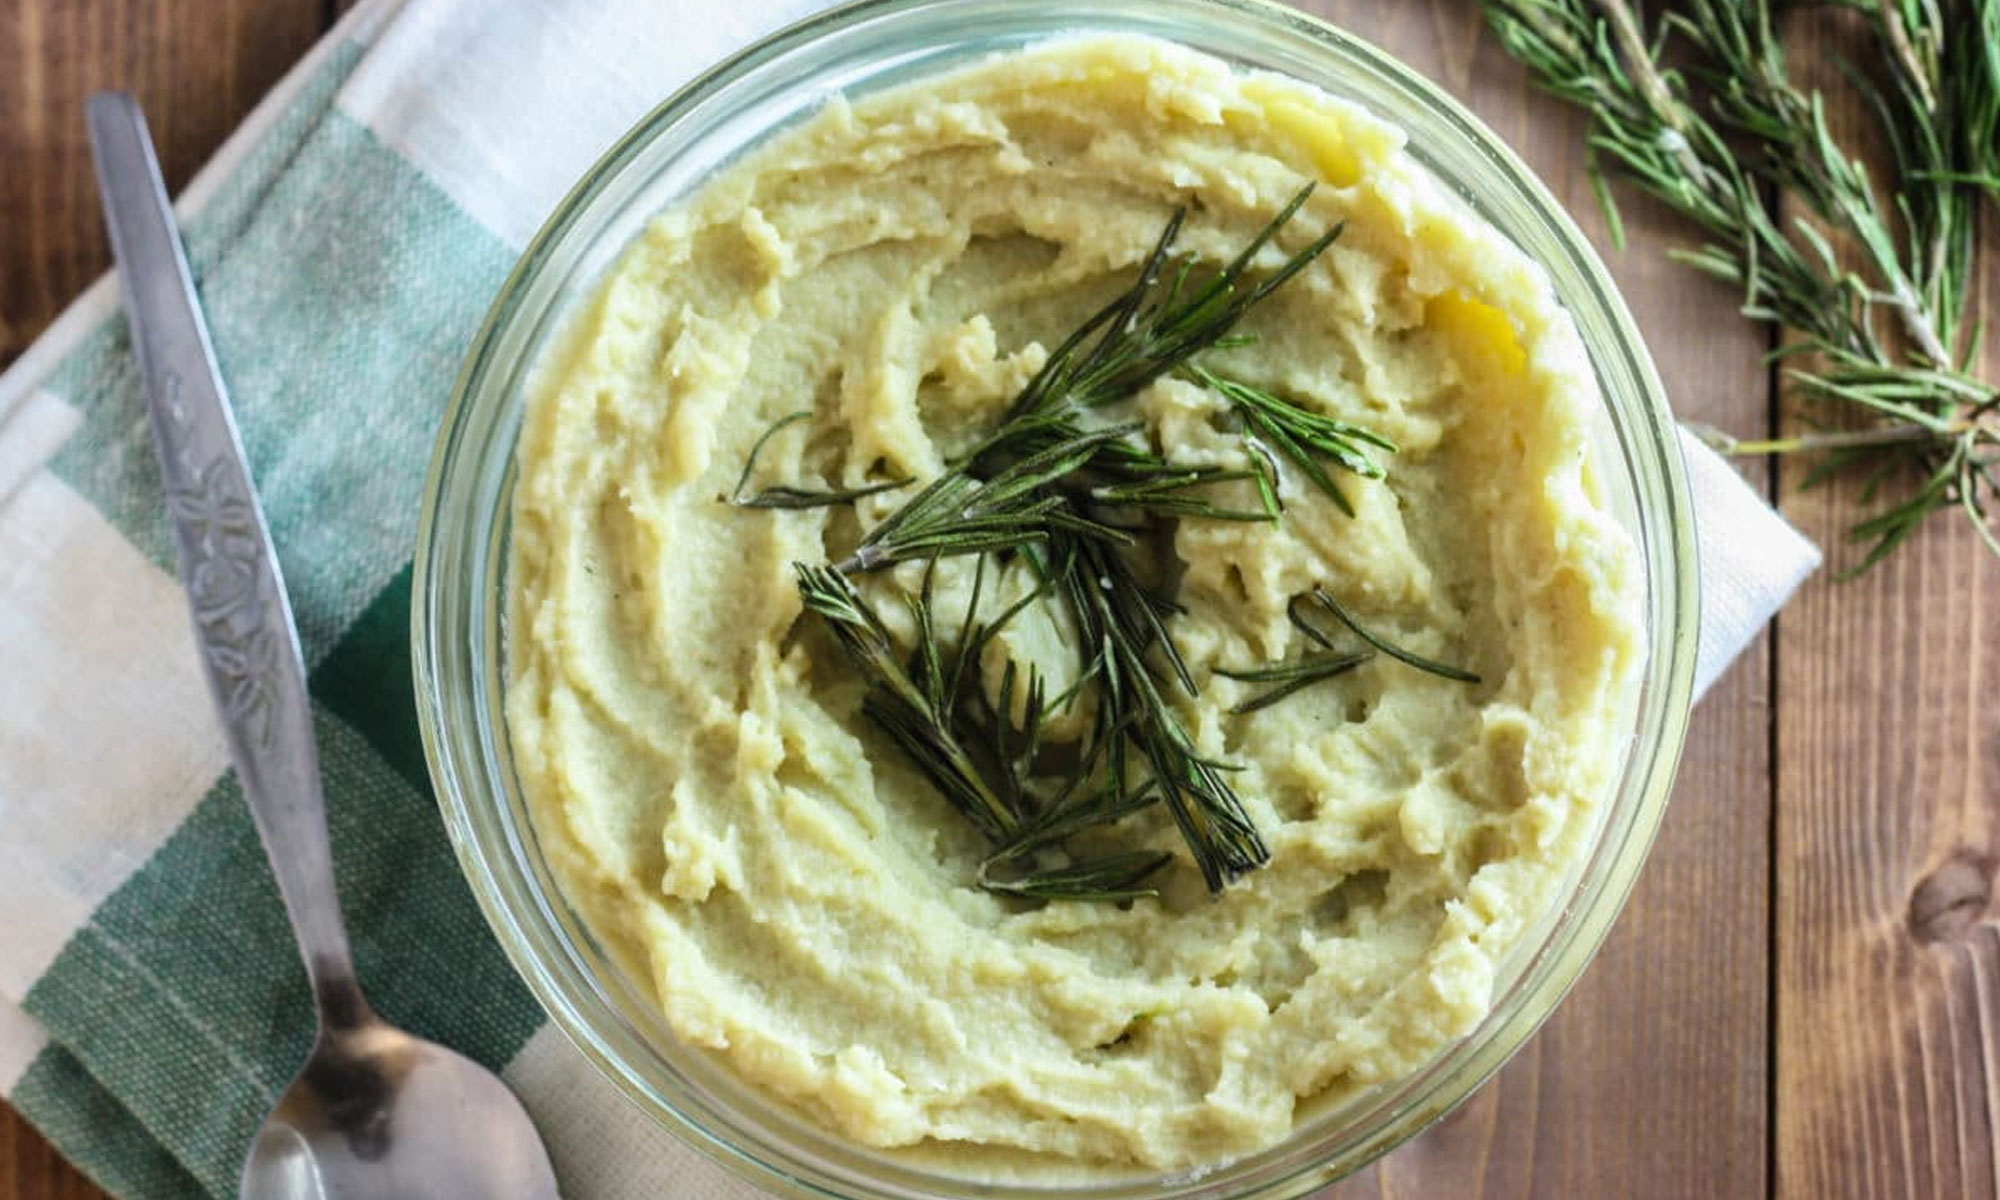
column 346, row 241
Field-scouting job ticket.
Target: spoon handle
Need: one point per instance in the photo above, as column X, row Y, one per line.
column 242, row 619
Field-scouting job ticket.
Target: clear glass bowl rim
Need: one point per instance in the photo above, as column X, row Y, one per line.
column 460, row 557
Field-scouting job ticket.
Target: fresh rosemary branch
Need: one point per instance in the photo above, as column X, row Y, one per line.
column 1116, row 877
column 915, row 717
column 1886, row 339
column 1076, row 497
column 960, row 514
column 970, row 751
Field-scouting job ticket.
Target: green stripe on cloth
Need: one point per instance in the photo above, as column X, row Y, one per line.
column 95, row 1132
column 341, row 310
column 114, row 466
column 183, row 995
column 176, row 990
column 369, row 685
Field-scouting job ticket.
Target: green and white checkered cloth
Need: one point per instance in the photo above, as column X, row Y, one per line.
column 347, row 241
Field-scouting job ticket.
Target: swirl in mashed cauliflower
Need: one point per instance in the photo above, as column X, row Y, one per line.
column 799, row 897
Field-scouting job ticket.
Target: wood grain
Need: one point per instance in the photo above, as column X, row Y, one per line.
column 1888, row 951
column 1650, row 1079
column 30, row 1169
column 197, row 68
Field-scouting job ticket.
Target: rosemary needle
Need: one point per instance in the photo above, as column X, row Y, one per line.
column 1293, row 677
column 1301, row 436
column 1310, row 669
column 1429, row 665
column 792, row 497
column 1114, row 877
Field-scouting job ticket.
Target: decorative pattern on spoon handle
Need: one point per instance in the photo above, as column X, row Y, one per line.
column 220, row 546
column 236, row 593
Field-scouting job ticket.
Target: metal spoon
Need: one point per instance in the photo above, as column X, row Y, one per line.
column 376, row 1112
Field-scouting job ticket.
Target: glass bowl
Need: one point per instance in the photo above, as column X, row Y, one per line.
column 460, row 566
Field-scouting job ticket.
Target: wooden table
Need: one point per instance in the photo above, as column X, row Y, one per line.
column 1802, row 999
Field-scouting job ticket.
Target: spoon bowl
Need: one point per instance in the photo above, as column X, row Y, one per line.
column 378, row 1112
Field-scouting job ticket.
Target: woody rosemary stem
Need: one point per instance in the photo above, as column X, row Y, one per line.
column 1632, row 47
column 1840, row 439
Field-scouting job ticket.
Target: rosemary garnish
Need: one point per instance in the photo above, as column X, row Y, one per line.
column 1430, row 665
column 969, row 750
column 1314, row 668
column 959, row 514
column 1141, row 336
column 1116, row 877
column 917, row 718
column 1302, row 437
column 1120, row 621
column 1293, row 677
column 1077, row 500
column 1887, row 336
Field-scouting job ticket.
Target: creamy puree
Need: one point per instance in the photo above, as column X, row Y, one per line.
column 802, row 900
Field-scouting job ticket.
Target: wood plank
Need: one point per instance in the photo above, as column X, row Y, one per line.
column 196, row 68
column 30, row 1169
column 1888, row 949
column 1650, row 1079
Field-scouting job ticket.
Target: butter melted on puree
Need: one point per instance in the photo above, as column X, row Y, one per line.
column 722, row 816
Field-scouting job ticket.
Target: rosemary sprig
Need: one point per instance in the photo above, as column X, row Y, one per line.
column 915, row 717
column 1115, row 877
column 1142, row 335
column 1078, row 498
column 1300, row 436
column 1172, row 490
column 960, row 514
column 1120, row 622
column 970, row 751
column 1886, row 339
